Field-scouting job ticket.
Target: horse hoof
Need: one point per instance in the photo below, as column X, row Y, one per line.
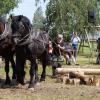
column 42, row 79
column 21, row 82
column 14, row 82
column 5, row 86
column 7, row 82
column 31, row 89
column 20, row 86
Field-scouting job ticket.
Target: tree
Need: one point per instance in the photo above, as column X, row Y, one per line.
column 38, row 20
column 37, row 1
column 7, row 5
column 69, row 15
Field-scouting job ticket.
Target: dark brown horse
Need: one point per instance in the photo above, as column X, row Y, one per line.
column 29, row 46
column 6, row 48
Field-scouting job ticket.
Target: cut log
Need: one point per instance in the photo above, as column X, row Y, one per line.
column 77, row 78
column 86, row 71
column 62, row 78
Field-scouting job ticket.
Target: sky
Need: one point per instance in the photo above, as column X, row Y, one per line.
column 28, row 8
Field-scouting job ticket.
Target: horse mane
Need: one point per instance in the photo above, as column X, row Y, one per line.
column 26, row 22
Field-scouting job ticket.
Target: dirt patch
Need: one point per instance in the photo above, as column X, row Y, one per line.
column 50, row 90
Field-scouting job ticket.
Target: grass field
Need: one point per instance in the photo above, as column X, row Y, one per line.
column 50, row 90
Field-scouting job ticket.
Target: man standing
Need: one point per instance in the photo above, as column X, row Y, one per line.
column 75, row 40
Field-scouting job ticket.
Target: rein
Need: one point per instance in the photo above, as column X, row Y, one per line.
column 56, row 45
column 5, row 32
column 27, row 39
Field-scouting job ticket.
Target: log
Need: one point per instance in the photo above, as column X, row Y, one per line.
column 77, row 78
column 86, row 71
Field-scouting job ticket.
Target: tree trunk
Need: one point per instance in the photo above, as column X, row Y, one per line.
column 86, row 71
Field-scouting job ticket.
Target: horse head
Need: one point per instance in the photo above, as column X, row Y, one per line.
column 20, row 26
column 5, row 32
column 2, row 25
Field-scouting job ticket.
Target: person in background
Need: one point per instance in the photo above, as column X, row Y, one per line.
column 75, row 41
column 60, row 41
column 58, row 47
column 50, row 51
column 50, row 48
column 68, row 53
column 66, row 49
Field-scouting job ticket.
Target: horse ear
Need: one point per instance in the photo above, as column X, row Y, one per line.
column 20, row 17
column 11, row 16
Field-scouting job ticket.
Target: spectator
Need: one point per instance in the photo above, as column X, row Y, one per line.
column 66, row 49
column 58, row 48
column 60, row 41
column 50, row 48
column 68, row 53
column 50, row 51
column 75, row 40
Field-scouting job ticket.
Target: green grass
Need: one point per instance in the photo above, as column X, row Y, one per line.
column 87, row 50
column 81, row 60
column 50, row 90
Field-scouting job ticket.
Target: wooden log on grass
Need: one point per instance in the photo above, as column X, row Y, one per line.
column 86, row 71
column 78, row 77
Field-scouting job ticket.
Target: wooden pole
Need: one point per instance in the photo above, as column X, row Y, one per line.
column 86, row 71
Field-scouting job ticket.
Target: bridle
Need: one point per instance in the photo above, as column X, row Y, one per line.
column 19, row 33
column 26, row 39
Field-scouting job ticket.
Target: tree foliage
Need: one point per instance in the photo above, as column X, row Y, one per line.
column 65, row 16
column 38, row 19
column 37, row 1
column 7, row 5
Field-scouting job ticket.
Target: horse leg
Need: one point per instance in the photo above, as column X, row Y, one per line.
column 44, row 63
column 13, row 67
column 36, row 73
column 8, row 81
column 43, row 72
column 20, row 70
column 33, row 74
